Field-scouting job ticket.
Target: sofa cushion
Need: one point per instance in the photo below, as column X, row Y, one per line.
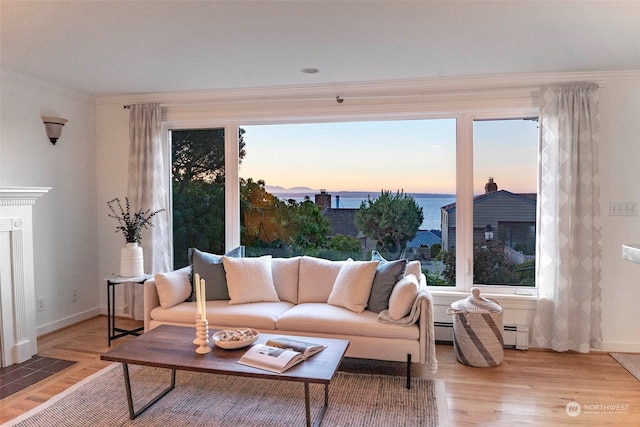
column 173, row 287
column 285, row 273
column 319, row 318
column 402, row 297
column 249, row 279
column 353, row 285
column 209, row 267
column 317, row 277
column 387, row 275
column 259, row 315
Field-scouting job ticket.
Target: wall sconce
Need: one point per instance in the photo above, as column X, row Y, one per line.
column 53, row 126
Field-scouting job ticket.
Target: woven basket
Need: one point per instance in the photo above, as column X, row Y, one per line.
column 477, row 331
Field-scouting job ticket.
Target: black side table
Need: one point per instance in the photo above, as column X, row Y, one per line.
column 112, row 281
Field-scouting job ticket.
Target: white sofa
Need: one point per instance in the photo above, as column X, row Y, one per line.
column 310, row 297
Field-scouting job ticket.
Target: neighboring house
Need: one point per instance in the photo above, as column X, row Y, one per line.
column 420, row 246
column 425, row 238
column 341, row 220
column 509, row 216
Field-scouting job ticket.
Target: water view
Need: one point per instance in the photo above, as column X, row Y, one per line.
column 430, row 204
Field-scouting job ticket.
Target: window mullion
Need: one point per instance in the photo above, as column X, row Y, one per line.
column 232, row 186
column 464, row 202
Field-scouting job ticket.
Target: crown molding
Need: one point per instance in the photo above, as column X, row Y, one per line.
column 46, row 86
column 423, row 88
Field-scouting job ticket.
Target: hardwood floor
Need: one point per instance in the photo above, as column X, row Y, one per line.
column 529, row 388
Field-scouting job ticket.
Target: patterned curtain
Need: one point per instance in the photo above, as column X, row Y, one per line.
column 147, row 188
column 569, row 248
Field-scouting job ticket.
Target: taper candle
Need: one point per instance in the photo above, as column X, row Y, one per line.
column 198, row 297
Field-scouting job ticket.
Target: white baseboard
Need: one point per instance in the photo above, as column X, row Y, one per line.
column 67, row 321
column 620, row 347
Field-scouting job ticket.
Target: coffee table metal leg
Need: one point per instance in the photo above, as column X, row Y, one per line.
column 307, row 405
column 127, row 383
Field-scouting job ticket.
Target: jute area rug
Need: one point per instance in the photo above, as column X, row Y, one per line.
column 629, row 361
column 217, row 400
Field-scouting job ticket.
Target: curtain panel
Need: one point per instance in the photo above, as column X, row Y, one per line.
column 569, row 247
column 147, row 189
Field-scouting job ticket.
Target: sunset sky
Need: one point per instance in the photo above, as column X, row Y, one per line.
column 417, row 156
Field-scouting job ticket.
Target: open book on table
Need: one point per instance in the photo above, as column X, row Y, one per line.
column 279, row 354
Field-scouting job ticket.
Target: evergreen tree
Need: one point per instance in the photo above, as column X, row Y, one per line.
column 391, row 220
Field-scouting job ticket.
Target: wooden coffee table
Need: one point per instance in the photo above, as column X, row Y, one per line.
column 172, row 347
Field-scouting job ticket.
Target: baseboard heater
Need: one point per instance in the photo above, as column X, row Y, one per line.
column 515, row 336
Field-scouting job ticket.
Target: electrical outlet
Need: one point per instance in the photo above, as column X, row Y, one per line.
column 40, row 304
column 74, row 295
column 623, row 209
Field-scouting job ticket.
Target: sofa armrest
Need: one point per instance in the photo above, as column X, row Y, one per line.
column 151, row 301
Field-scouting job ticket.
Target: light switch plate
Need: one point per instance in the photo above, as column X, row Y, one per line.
column 623, row 209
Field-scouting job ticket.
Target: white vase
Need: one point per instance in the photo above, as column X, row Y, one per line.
column 131, row 260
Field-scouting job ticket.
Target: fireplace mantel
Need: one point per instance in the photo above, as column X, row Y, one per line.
column 17, row 286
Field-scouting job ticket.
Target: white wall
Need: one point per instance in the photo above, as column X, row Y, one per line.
column 620, row 181
column 65, row 234
column 112, row 124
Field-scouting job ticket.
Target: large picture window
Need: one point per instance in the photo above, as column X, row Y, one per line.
column 347, row 179
column 302, row 188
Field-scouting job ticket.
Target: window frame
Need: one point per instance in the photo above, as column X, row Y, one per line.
column 468, row 175
column 465, row 115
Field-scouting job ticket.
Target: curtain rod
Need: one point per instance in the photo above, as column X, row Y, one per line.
column 340, row 99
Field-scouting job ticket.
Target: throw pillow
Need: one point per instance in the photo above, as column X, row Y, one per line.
column 387, row 275
column 209, row 267
column 285, row 278
column 353, row 285
column 249, row 279
column 415, row 268
column 173, row 287
column 402, row 297
column 317, row 277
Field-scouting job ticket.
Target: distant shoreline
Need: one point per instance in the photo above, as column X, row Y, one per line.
column 355, row 194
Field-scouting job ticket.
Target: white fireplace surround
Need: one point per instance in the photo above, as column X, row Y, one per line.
column 17, row 286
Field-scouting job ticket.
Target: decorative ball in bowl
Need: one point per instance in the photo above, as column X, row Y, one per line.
column 230, row 339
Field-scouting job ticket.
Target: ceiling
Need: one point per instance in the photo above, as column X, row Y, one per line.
column 104, row 48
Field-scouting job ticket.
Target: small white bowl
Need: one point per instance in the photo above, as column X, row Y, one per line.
column 219, row 338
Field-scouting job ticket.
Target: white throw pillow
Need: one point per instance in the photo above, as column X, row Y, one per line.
column 317, row 277
column 249, row 279
column 402, row 297
column 173, row 287
column 415, row 268
column 285, row 278
column 353, row 285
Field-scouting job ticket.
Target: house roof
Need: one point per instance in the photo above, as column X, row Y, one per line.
column 526, row 197
column 107, row 48
column 424, row 238
column 342, row 221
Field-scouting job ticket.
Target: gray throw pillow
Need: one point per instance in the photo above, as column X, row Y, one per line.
column 210, row 268
column 387, row 275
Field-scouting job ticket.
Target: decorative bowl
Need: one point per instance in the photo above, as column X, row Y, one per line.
column 230, row 339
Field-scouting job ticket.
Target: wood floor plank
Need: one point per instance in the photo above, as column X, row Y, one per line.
column 529, row 388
